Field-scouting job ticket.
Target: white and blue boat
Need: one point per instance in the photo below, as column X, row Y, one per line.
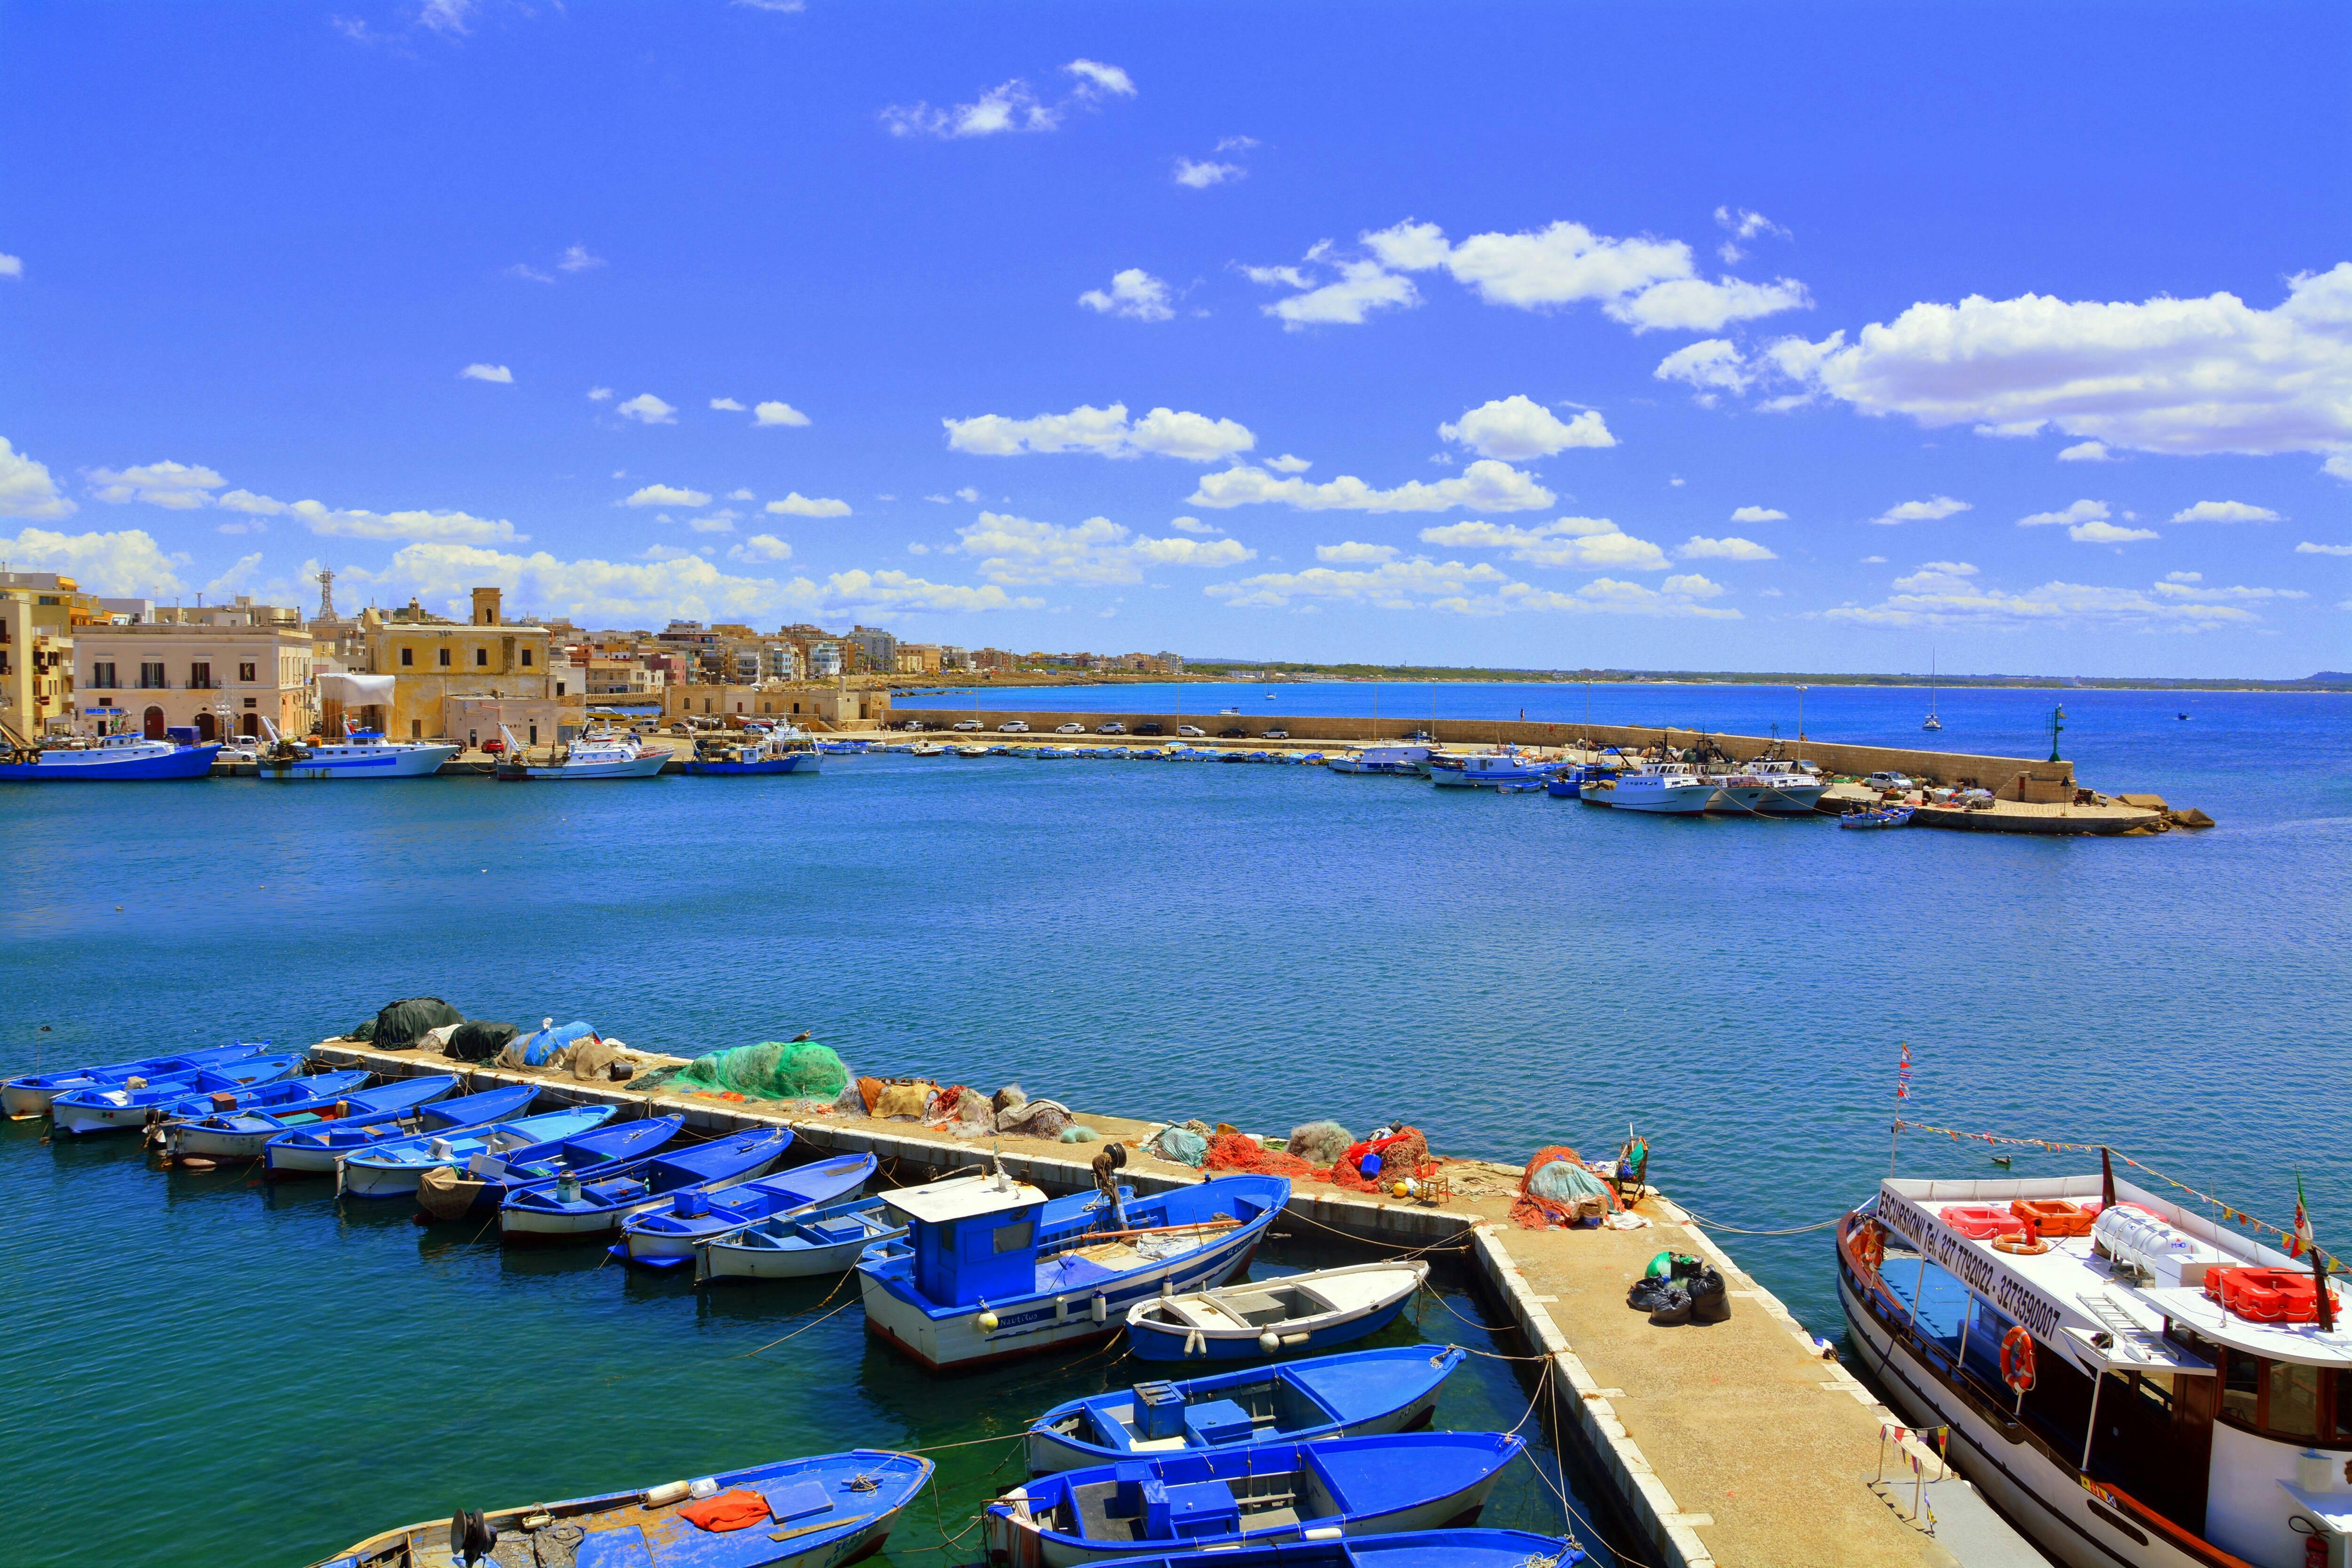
column 991, row 1269
column 664, row 1238
column 1418, row 1549
column 1880, row 816
column 1257, row 1494
column 1492, row 768
column 115, row 759
column 361, row 754
column 590, row 1203
column 819, row 1512
column 1296, row 1312
column 784, row 752
column 1356, row 1394
column 104, row 1110
column 487, row 1180
column 313, row 1151
column 393, row 1170
column 29, row 1095
column 243, row 1134
column 823, row 1241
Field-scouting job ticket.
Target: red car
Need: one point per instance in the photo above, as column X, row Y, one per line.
column 495, row 748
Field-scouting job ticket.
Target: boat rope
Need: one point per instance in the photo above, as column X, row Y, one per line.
column 1705, row 1224
column 829, row 1295
column 1489, row 1328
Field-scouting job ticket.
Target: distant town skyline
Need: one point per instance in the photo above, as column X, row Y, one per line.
column 1642, row 338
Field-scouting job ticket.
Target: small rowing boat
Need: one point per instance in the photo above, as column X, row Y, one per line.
column 1418, row 1548
column 313, row 1151
column 1353, row 1395
column 1884, row 816
column 138, row 1102
column 583, row 1205
column 666, row 1236
column 30, row 1094
column 244, row 1132
column 1258, row 1494
column 799, row 1246
column 1298, row 1312
column 393, row 1170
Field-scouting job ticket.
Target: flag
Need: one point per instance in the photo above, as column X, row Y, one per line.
column 2299, row 1242
column 1903, row 1071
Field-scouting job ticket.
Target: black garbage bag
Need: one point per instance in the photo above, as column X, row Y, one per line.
column 405, row 1023
column 479, row 1039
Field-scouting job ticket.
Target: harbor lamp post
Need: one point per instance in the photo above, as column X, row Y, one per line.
column 1800, row 723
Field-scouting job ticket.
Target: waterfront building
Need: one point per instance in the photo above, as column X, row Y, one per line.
column 38, row 612
column 918, row 659
column 994, row 659
column 877, row 650
column 826, row 660
column 220, row 670
column 453, row 680
column 834, row 704
column 954, row 658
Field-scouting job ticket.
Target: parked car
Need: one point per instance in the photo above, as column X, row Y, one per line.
column 494, row 748
column 1013, row 726
column 1069, row 729
column 1235, row 733
column 1277, row 735
column 1889, row 780
column 1192, row 730
column 968, row 724
column 1113, row 728
column 1151, row 729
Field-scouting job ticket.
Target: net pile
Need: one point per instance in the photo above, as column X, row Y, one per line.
column 768, row 1070
column 1236, row 1151
column 1369, row 1166
column 1556, row 1189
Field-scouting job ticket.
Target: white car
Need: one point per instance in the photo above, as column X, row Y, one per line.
column 1276, row 735
column 1192, row 730
column 968, row 724
column 1069, row 729
column 1113, row 728
column 1889, row 780
column 1013, row 726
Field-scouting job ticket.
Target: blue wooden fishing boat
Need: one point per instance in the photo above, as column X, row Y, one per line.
column 1353, row 1394
column 313, row 1151
column 799, row 1246
column 817, row 1512
column 29, row 1095
column 98, row 1110
column 590, row 1203
column 1420, row 1549
column 486, row 1181
column 1884, row 816
column 788, row 751
column 282, row 1094
column 1296, row 1312
column 244, row 1132
column 393, row 1170
column 1256, row 1494
column 991, row 1269
column 116, row 759
column 664, row 1238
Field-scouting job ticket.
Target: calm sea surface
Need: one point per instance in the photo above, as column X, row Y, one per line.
column 205, row 1370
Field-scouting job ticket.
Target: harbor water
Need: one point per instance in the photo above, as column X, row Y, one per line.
column 269, row 1375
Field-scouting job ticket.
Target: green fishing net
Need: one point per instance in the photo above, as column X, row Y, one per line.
column 801, row 1070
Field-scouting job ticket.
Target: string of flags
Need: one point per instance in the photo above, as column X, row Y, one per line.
column 1903, row 1071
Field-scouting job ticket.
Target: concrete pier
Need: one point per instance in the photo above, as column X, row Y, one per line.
column 1735, row 1442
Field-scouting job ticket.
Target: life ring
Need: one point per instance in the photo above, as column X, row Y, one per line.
column 2017, row 1359
column 1870, row 1246
column 2028, row 1244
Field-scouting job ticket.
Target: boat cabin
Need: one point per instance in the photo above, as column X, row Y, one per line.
column 974, row 1237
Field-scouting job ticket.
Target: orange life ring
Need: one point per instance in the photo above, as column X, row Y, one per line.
column 2017, row 1359
column 2030, row 1246
column 1870, row 1246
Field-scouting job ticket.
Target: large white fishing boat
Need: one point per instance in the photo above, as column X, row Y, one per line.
column 360, row 754
column 1770, row 786
column 1668, row 787
column 601, row 755
column 2130, row 1382
column 1405, row 761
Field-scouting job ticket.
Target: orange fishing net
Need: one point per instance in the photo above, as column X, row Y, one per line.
column 1235, row 1152
column 1401, row 1153
column 1535, row 1212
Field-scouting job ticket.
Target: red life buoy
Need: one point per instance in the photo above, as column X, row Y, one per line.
column 1870, row 1246
column 2017, row 1359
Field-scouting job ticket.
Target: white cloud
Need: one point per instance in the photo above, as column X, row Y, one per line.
column 1361, row 288
column 912, row 595
column 1695, row 305
column 968, row 496
column 240, row 578
column 1941, row 600
column 599, row 394
column 1105, row 432
column 11, row 266
column 1291, row 275
column 761, row 547
column 125, row 563
column 1287, row 464
column 2015, row 430
column 783, row 7
column 740, row 495
column 595, row 592
column 1351, row 553
column 2307, row 548
column 1937, row 576
column 775, row 413
column 1011, row 106
column 491, row 373
column 458, row 527
column 2102, row 533
column 1200, row 175
column 1519, row 427
column 1097, row 80
column 1712, row 364
column 1742, row 224
column 2339, row 465
column 530, row 274
column 1699, row 547
column 2176, row 590
column 2087, row 452
column 647, row 409
column 726, row 406
column 1450, row 586
column 1097, row 551
column 575, row 259
column 2081, row 512
column 1758, row 515
column 1933, row 510
column 179, row 486
column 1133, row 293
column 2184, row 576
column 1486, row 485
column 2225, row 512
column 796, row 504
column 1235, row 143
column 1575, row 542
column 446, row 15
column 667, row 495
column 719, row 521
column 1193, row 525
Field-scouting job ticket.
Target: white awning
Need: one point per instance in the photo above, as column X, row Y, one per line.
column 355, row 690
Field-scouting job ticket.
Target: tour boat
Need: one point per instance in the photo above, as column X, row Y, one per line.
column 1768, row 786
column 784, row 752
column 800, row 1245
column 138, row 1101
column 1492, row 768
column 604, row 754
column 666, row 1236
column 313, row 1151
column 802, row 1513
column 1296, row 1312
column 393, row 1170
column 361, row 754
column 1258, row 1494
column 991, row 1269
column 243, row 1132
column 1675, row 788
column 113, row 759
column 30, row 1094
column 579, row 1206
column 1414, row 1549
column 2130, row 1382
column 1353, row 1395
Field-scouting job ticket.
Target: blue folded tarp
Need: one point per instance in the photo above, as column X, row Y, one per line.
column 539, row 1044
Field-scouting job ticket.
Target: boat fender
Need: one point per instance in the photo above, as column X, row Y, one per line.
column 1194, row 1343
column 1268, row 1342
column 195, row 1163
column 703, row 1487
column 1293, row 1339
column 987, row 1321
column 1101, row 1307
column 666, row 1493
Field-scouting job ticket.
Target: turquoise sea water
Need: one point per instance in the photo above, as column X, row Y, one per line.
column 1255, row 944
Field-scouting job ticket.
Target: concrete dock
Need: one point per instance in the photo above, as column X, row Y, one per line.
column 1737, row 1442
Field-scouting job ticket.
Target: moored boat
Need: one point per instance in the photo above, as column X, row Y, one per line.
column 586, row 1205
column 1492, row 769
column 1672, row 789
column 241, row 1133
column 1258, row 1494
column 786, row 751
column 360, row 754
column 1879, row 816
column 1351, row 1394
column 138, row 1101
column 823, row 1241
column 1417, row 1549
column 114, row 759
column 666, row 1236
column 1296, row 1312
column 800, row 1513
column 313, row 1151
column 393, row 1170
column 31, row 1093
column 599, row 754
column 1768, row 786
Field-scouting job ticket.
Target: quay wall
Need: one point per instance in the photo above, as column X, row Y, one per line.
column 1999, row 773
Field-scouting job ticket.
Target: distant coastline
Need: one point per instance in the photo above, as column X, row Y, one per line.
column 1241, row 673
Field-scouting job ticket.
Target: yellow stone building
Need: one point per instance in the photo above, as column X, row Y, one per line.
column 449, row 678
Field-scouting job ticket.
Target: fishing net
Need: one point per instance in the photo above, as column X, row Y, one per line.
column 1557, row 1190
column 768, row 1070
column 479, row 1039
column 1235, row 1152
column 404, row 1023
column 1369, row 1166
column 1180, row 1144
column 1320, row 1142
column 1035, row 1119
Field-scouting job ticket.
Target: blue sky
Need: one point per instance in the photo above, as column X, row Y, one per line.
column 1825, row 338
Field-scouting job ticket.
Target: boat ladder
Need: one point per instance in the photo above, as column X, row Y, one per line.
column 2126, row 1329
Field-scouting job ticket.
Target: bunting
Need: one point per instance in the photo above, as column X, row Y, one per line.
column 1903, row 1071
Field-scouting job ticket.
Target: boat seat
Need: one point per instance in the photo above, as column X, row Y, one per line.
column 798, row 1498
column 1091, row 1504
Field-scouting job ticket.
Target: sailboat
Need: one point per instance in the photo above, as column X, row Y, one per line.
column 1932, row 722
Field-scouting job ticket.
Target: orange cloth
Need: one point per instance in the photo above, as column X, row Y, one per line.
column 737, row 1510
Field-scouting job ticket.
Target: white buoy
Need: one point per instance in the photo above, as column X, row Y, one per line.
column 1269, row 1341
column 986, row 1321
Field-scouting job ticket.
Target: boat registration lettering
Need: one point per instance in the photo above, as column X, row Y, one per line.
column 1946, row 1251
